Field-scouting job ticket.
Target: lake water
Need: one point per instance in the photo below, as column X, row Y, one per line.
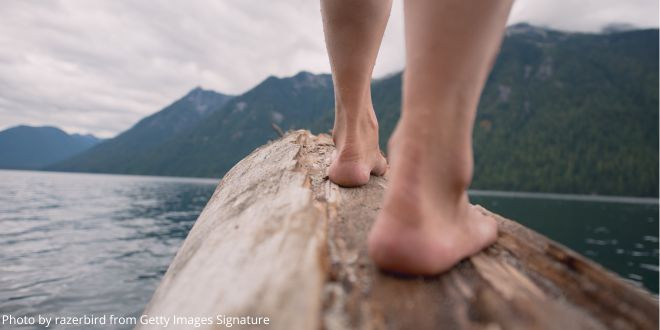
column 75, row 244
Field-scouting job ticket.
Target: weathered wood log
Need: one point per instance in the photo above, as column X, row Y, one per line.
column 278, row 240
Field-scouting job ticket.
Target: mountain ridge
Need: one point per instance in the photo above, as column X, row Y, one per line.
column 129, row 148
column 561, row 112
column 33, row 147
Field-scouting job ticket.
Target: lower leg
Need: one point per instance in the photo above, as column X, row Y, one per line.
column 427, row 224
column 353, row 33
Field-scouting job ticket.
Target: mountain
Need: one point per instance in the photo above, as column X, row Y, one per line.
column 571, row 113
column 244, row 123
column 27, row 147
column 229, row 130
column 561, row 112
column 127, row 152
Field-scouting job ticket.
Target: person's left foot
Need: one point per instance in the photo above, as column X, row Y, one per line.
column 357, row 154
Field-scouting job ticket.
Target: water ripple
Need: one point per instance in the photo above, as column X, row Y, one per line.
column 76, row 244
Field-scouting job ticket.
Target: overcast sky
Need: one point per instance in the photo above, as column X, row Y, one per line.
column 99, row 66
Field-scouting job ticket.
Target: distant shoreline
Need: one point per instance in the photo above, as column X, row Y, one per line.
column 141, row 176
column 568, row 197
column 471, row 192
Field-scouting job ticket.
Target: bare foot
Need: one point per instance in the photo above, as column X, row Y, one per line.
column 427, row 225
column 357, row 154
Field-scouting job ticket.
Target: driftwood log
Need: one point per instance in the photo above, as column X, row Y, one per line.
column 277, row 239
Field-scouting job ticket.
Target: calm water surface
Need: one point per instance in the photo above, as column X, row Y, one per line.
column 74, row 244
column 621, row 234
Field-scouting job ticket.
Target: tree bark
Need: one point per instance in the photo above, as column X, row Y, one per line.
column 279, row 240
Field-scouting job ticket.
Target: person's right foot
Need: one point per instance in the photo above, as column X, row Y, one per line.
column 357, row 154
column 426, row 224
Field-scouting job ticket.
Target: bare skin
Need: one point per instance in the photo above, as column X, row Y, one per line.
column 427, row 224
column 353, row 33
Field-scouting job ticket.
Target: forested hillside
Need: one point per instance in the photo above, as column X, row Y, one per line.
column 561, row 112
column 572, row 113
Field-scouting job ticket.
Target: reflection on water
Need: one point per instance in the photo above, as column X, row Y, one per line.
column 620, row 234
column 74, row 244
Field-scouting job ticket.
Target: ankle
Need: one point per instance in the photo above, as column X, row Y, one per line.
column 355, row 125
column 356, row 114
column 437, row 167
column 451, row 185
column 460, row 175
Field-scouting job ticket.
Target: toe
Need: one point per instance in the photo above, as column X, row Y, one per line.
column 381, row 167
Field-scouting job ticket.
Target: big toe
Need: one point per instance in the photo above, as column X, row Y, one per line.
column 486, row 227
column 381, row 167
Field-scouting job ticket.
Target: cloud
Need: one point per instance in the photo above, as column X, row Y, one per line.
column 99, row 66
column 585, row 15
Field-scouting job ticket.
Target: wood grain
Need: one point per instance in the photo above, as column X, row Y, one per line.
column 278, row 239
